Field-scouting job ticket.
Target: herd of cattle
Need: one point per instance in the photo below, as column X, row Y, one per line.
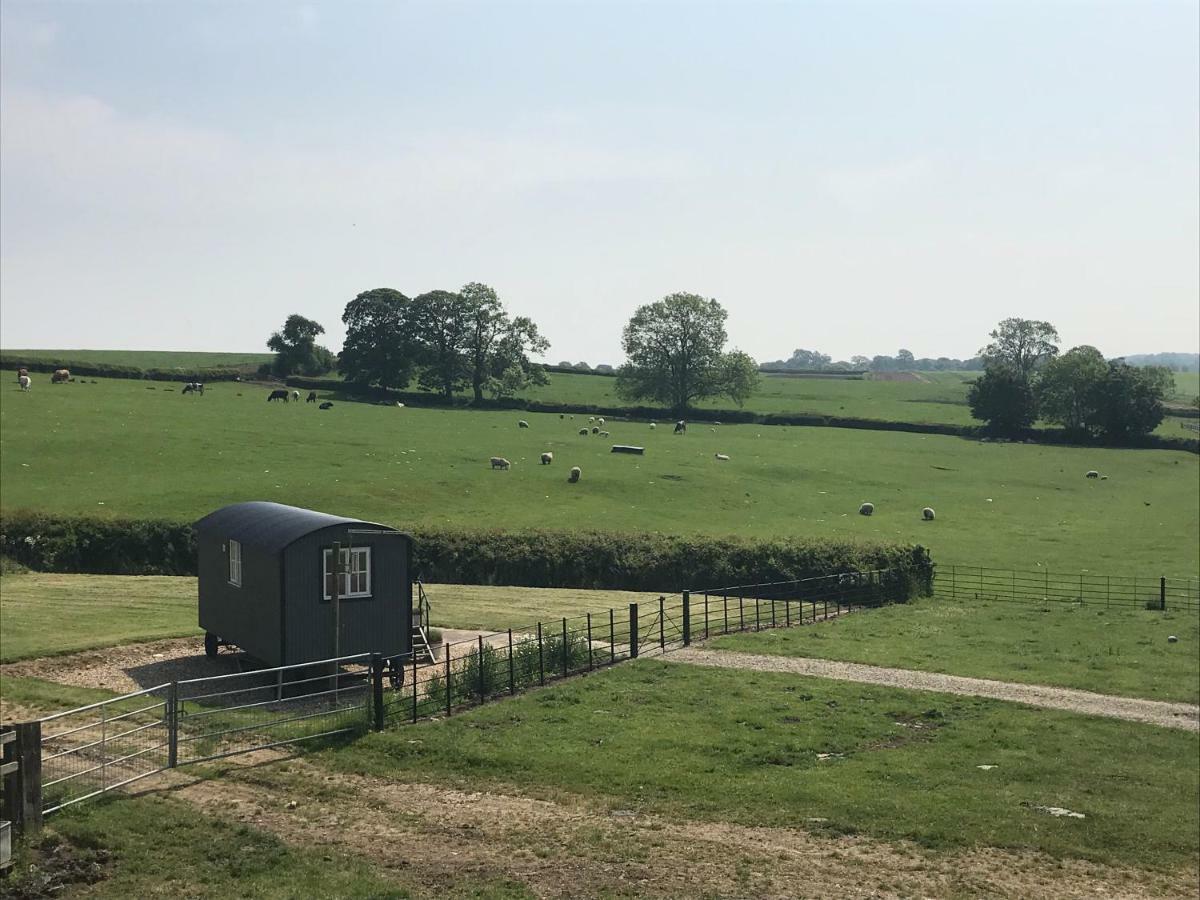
column 62, row 376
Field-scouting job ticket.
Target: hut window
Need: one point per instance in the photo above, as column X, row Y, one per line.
column 235, row 563
column 356, row 572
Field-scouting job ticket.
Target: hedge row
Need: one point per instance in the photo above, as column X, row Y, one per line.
column 108, row 370
column 637, row 562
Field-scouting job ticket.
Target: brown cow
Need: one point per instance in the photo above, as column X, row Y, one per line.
column 60, row 376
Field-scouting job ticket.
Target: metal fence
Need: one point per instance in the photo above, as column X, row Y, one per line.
column 1161, row 592
column 106, row 745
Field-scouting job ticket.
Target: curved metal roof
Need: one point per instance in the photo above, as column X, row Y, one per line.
column 272, row 526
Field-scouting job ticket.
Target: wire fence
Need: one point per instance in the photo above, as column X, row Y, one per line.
column 957, row 582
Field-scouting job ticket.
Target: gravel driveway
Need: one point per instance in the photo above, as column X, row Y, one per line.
column 1153, row 712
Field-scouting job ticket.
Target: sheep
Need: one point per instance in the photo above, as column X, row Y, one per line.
column 600, row 421
column 653, row 426
column 866, row 509
column 595, row 429
column 591, row 418
column 399, row 405
column 574, row 476
column 584, row 432
column 1092, row 473
column 24, row 382
column 562, row 415
column 927, row 514
column 499, row 462
column 295, row 396
column 604, row 434
column 1104, row 478
column 522, row 424
column 547, row 458
column 722, row 456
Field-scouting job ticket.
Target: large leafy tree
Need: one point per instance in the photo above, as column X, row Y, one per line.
column 378, row 347
column 1003, row 399
column 1067, row 388
column 1129, row 400
column 675, row 355
column 439, row 323
column 497, row 346
column 296, row 349
column 1021, row 346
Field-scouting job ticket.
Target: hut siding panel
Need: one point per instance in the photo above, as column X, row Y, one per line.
column 248, row 614
column 380, row 623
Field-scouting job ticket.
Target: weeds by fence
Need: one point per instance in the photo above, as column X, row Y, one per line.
column 955, row 582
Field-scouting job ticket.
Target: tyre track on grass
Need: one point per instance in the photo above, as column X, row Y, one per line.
column 1183, row 716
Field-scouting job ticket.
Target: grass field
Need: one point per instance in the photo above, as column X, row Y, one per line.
column 747, row 748
column 1112, row 651
column 123, row 448
column 184, row 360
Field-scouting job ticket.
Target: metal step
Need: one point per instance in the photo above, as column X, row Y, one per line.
column 421, row 647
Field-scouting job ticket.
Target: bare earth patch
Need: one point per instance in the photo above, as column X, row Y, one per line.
column 1153, row 712
column 576, row 848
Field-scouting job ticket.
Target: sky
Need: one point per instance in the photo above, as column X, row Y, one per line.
column 850, row 177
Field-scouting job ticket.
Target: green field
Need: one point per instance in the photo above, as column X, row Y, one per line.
column 128, row 449
column 744, row 747
column 183, row 360
column 1120, row 651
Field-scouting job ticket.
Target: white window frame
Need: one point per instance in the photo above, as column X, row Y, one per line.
column 234, row 550
column 350, row 572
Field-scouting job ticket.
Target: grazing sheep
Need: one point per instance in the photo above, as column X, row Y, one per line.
column 1104, row 478
column 866, row 509
column 653, row 426
column 591, row 418
column 399, row 405
column 574, row 476
column 600, row 421
column 522, row 424
column 722, row 456
column 604, row 434
column 595, row 429
column 1092, row 473
column 326, row 405
column 547, row 458
column 24, row 381
column 927, row 514
column 295, row 395
column 584, row 432
column 499, row 462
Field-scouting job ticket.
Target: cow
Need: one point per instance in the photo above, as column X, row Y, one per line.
column 21, row 371
column 24, row 381
column 278, row 395
column 60, row 376
column 296, row 396
column 680, row 427
column 326, row 405
column 312, row 397
column 194, row 387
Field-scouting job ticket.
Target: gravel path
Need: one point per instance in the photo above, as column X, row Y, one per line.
column 1154, row 712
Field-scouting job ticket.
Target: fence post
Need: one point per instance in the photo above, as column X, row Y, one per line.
column 541, row 658
column 953, row 582
column 589, row 627
column 172, row 724
column 741, row 612
column 633, row 630
column 687, row 618
column 446, row 648
column 376, row 691
column 725, row 598
column 566, row 647
column 757, row 616
column 1162, row 592
column 1081, row 589
column 414, row 682
column 23, row 781
column 706, row 615
column 1107, row 591
column 512, row 673
column 612, row 635
column 787, row 612
column 662, row 618
column 479, row 658
column 772, row 612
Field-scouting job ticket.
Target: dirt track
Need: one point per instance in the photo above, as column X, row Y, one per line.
column 1153, row 712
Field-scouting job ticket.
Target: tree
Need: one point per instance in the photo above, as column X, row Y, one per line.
column 1003, row 399
column 904, row 359
column 675, row 354
column 440, row 325
column 377, row 349
column 1021, row 345
column 860, row 362
column 296, row 349
column 496, row 343
column 1066, row 388
column 1129, row 400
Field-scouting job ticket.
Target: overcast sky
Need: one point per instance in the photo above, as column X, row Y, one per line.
column 849, row 177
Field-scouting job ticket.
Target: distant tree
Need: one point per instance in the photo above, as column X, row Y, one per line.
column 1129, row 400
column 1067, row 388
column 498, row 346
column 439, row 323
column 566, row 364
column 296, row 349
column 809, row 360
column 378, row 349
column 904, row 359
column 583, row 367
column 883, row 364
column 675, row 354
column 603, row 369
column 860, row 362
column 1004, row 400
column 1021, row 345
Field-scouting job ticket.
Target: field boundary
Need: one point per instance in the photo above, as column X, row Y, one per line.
column 961, row 582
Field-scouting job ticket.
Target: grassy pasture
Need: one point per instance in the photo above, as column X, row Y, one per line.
column 124, row 448
column 1120, row 651
column 745, row 747
column 184, row 360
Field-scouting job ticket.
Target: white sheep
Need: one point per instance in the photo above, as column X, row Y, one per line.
column 595, row 429
column 927, row 514
column 522, row 424
column 866, row 509
column 574, row 476
column 600, row 421
column 499, row 462
column 584, row 432
column 1092, row 473
column 547, row 458
column 25, row 382
column 399, row 405
column 722, row 456
column 296, row 396
column 604, row 434
column 591, row 418
column 653, row 426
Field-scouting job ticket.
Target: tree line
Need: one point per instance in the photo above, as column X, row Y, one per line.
column 815, row 361
column 1025, row 379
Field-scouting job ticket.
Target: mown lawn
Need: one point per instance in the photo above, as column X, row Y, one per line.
column 176, row 457
column 1115, row 650
column 778, row 750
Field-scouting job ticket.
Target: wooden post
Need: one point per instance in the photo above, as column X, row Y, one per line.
column 726, row 606
column 633, row 630
column 541, row 658
column 787, row 612
column 706, row 615
column 757, row 616
column 687, row 618
column 1162, row 592
column 172, row 718
column 23, row 781
column 512, row 673
column 741, row 612
column 589, row 629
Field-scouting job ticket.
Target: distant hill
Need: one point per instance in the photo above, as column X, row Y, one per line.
column 1176, row 362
